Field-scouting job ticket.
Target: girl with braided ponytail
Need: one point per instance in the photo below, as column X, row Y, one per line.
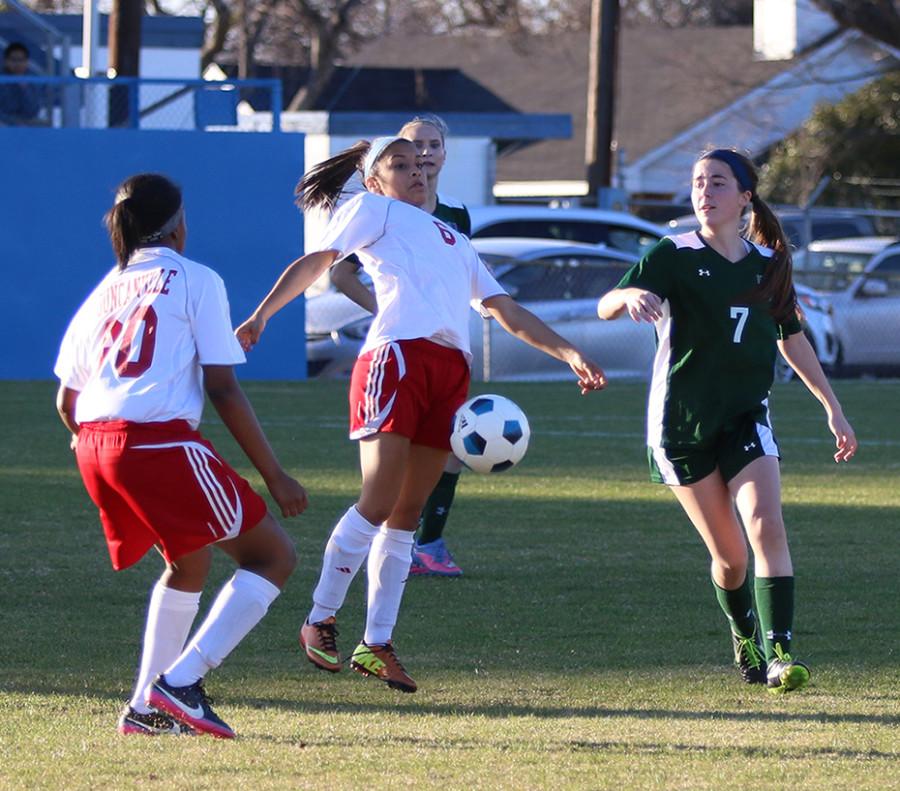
column 723, row 304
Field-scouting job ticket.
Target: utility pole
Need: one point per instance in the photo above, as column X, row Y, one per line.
column 601, row 97
column 124, row 55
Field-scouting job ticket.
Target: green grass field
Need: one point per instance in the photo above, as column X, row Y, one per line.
column 583, row 648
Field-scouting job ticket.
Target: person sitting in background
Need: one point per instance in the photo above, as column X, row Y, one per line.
column 19, row 104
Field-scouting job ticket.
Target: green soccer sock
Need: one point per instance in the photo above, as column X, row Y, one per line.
column 775, row 601
column 437, row 509
column 737, row 605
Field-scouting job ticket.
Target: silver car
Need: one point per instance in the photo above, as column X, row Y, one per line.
column 558, row 281
column 861, row 279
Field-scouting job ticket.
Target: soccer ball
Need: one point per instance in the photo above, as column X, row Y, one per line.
column 490, row 433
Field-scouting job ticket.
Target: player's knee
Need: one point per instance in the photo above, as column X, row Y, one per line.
column 732, row 568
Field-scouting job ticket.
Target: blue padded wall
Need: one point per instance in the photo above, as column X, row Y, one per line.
column 58, row 183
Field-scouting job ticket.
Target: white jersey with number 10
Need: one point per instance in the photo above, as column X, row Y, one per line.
column 135, row 348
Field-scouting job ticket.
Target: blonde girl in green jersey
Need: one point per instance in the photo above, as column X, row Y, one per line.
column 430, row 556
column 723, row 304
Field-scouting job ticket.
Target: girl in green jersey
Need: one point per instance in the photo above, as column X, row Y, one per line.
column 721, row 304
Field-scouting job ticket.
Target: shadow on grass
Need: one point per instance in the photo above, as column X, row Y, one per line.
column 395, row 704
column 623, row 747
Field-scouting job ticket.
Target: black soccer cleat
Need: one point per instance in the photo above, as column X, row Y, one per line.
column 151, row 723
column 748, row 657
column 189, row 705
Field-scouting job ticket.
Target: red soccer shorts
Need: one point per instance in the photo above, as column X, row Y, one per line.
column 411, row 388
column 162, row 483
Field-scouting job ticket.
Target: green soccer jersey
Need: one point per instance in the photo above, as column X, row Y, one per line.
column 715, row 356
column 454, row 214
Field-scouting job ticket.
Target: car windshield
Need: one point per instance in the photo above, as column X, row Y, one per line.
column 826, row 270
column 631, row 240
column 561, row 278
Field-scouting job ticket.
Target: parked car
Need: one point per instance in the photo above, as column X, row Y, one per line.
column 559, row 281
column 818, row 324
column 830, row 265
column 861, row 279
column 615, row 229
column 822, row 224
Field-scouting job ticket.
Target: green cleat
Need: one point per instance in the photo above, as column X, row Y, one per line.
column 785, row 674
column 381, row 661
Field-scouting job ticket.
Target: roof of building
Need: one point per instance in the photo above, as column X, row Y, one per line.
column 169, row 32
column 379, row 89
column 668, row 80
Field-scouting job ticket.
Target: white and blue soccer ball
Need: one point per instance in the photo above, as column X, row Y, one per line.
column 490, row 433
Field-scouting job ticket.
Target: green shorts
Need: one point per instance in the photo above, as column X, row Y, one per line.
column 743, row 440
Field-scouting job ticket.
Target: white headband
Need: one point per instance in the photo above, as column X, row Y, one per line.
column 376, row 149
column 170, row 225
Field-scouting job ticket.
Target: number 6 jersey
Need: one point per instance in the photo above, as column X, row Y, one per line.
column 134, row 349
column 715, row 355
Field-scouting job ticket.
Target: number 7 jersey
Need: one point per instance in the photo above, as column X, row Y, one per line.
column 135, row 348
column 715, row 355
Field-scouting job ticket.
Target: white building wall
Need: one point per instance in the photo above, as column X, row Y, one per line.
column 784, row 28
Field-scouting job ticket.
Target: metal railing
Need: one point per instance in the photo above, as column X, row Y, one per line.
column 55, row 44
column 142, row 102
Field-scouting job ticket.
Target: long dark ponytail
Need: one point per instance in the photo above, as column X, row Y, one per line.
column 146, row 205
column 321, row 187
column 764, row 227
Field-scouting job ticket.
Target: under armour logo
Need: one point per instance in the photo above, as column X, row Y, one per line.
column 703, row 272
column 751, row 445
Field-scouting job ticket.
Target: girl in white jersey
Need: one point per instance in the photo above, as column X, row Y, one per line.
column 411, row 376
column 721, row 303
column 429, row 133
column 133, row 367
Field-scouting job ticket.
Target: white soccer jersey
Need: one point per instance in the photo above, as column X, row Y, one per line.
column 134, row 349
column 426, row 275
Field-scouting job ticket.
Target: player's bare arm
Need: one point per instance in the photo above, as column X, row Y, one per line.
column 345, row 278
column 640, row 304
column 801, row 356
column 238, row 416
column 65, row 405
column 523, row 324
column 298, row 277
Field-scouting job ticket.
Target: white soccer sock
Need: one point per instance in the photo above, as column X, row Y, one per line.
column 344, row 554
column 388, row 569
column 169, row 617
column 240, row 605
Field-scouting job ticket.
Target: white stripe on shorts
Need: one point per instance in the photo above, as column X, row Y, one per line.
column 665, row 467
column 373, row 393
column 766, row 436
column 229, row 516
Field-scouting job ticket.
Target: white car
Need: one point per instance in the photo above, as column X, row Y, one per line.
column 615, row 229
column 861, row 279
column 559, row 281
column 818, row 324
